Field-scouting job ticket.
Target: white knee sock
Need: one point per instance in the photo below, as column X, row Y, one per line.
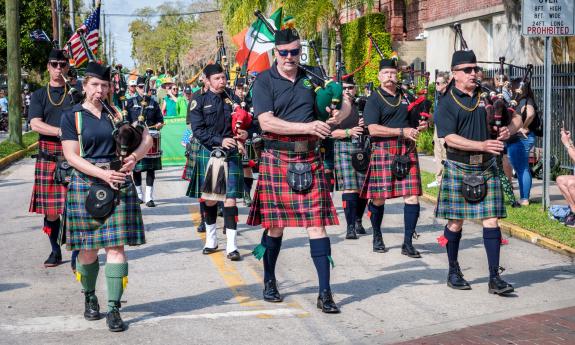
column 139, row 191
column 149, row 192
column 231, row 240
column 211, row 236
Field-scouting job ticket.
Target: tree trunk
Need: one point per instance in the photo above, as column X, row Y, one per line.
column 324, row 51
column 13, row 68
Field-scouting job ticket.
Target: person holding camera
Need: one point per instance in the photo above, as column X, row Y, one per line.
column 566, row 183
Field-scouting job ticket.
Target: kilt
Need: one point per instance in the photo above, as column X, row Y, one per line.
column 48, row 197
column 379, row 181
column 123, row 227
column 276, row 205
column 147, row 164
column 191, row 160
column 235, row 182
column 346, row 176
column 452, row 205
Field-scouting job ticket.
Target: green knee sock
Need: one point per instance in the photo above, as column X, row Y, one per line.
column 87, row 275
column 116, row 280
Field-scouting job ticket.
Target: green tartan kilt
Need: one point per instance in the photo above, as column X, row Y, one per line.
column 191, row 159
column 234, row 184
column 147, row 164
column 123, row 227
column 452, row 205
column 346, row 176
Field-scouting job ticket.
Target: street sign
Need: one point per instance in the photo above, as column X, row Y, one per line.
column 548, row 18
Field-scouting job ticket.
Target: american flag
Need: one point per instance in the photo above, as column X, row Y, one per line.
column 91, row 31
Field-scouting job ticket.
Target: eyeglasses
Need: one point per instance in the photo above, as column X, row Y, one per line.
column 349, row 87
column 286, row 52
column 467, row 70
column 174, row 89
column 55, row 64
column 140, row 86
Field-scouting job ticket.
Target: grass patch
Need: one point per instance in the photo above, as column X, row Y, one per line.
column 8, row 148
column 531, row 217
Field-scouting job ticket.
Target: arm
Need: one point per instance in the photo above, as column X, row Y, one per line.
column 568, row 143
column 272, row 124
column 199, row 127
column 529, row 115
column 43, row 128
column 458, row 142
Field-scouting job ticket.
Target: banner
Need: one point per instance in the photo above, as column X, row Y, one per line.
column 173, row 153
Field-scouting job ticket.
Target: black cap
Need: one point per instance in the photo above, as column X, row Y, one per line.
column 188, row 89
column 240, row 82
column 349, row 80
column 461, row 57
column 57, row 54
column 96, row 70
column 141, row 80
column 286, row 36
column 388, row 63
column 212, row 69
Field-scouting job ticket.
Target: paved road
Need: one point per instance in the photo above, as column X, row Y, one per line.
column 177, row 295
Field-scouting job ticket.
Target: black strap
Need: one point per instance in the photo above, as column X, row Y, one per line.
column 47, row 156
column 294, row 146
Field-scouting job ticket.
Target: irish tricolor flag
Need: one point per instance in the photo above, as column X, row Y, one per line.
column 261, row 42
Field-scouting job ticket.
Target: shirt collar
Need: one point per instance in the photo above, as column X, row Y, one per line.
column 276, row 74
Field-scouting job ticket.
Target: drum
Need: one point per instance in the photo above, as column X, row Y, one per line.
column 155, row 151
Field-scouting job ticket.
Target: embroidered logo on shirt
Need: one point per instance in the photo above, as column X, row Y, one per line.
column 193, row 105
column 307, row 83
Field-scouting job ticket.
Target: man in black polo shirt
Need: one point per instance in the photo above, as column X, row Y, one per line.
column 462, row 121
column 284, row 101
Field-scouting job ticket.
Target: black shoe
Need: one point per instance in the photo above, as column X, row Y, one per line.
column 271, row 293
column 326, row 304
column 151, row 203
column 409, row 250
column 351, row 234
column 515, row 205
column 208, row 251
column 53, row 260
column 378, row 245
column 114, row 321
column 234, row 256
column 140, row 201
column 91, row 307
column 359, row 229
column 497, row 285
column 455, row 278
column 202, row 227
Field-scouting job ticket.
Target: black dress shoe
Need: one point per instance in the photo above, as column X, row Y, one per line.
column 409, row 250
column 140, row 201
column 271, row 293
column 208, row 251
column 151, row 203
column 91, row 306
column 202, row 227
column 234, row 256
column 351, row 235
column 326, row 304
column 378, row 245
column 497, row 285
column 53, row 260
column 516, row 205
column 455, row 278
column 114, row 321
column 359, row 229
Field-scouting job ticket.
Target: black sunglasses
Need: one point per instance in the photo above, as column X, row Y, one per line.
column 140, row 86
column 55, row 64
column 349, row 87
column 286, row 52
column 467, row 70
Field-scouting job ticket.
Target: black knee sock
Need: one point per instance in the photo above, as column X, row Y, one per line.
column 150, row 177
column 230, row 217
column 361, row 204
column 273, row 246
column 203, row 210
column 410, row 217
column 452, row 246
column 248, row 183
column 492, row 243
column 137, row 178
column 54, row 227
column 320, row 250
column 376, row 216
column 211, row 214
column 350, row 207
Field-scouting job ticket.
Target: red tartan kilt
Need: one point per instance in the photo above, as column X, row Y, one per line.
column 48, row 197
column 380, row 182
column 276, row 205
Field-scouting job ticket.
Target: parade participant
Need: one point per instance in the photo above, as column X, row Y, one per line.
column 170, row 100
column 349, row 139
column 90, row 148
column 284, row 101
column 131, row 92
column 153, row 160
column 183, row 102
column 26, row 97
column 210, row 117
column 471, row 187
column 394, row 166
column 441, row 81
column 46, row 107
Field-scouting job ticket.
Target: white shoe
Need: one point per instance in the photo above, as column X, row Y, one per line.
column 433, row 184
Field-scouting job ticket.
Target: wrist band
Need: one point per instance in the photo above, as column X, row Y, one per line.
column 135, row 157
column 401, row 132
column 347, row 133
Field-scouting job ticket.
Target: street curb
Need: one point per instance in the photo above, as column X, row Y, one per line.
column 4, row 162
column 522, row 234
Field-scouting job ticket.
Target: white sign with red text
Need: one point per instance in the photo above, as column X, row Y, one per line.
column 548, row 18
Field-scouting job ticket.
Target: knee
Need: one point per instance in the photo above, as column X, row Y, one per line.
column 455, row 225
column 378, row 202
column 411, row 200
column 210, row 203
column 316, row 232
column 570, row 181
column 115, row 254
column 490, row 223
column 275, row 232
column 87, row 256
column 230, row 203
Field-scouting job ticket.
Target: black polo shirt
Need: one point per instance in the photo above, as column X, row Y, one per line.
column 97, row 139
column 211, row 117
column 352, row 120
column 152, row 112
column 391, row 112
column 451, row 118
column 42, row 108
column 289, row 101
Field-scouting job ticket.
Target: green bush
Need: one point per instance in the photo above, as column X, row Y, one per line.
column 7, row 148
column 425, row 142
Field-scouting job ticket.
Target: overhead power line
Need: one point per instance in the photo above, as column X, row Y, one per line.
column 153, row 14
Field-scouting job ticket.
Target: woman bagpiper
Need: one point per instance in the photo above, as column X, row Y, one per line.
column 90, row 148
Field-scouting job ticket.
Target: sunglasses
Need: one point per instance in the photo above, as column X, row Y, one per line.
column 140, row 86
column 349, row 87
column 174, row 89
column 467, row 70
column 286, row 52
column 55, row 64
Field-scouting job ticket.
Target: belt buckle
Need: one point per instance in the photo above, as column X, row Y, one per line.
column 300, row 146
column 103, row 166
column 476, row 159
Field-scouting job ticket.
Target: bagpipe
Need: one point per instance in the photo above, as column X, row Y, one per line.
column 221, row 55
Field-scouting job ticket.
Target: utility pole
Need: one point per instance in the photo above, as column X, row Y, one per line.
column 54, row 21
column 60, row 31
column 72, row 19
column 104, row 53
column 13, row 69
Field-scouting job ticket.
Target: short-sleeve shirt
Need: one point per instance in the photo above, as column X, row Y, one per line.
column 152, row 112
column 453, row 119
column 289, row 101
column 523, row 103
column 352, row 120
column 42, row 108
column 170, row 106
column 97, row 140
column 386, row 110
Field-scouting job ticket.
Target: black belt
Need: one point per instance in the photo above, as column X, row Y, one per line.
column 293, row 146
column 47, row 156
column 471, row 158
